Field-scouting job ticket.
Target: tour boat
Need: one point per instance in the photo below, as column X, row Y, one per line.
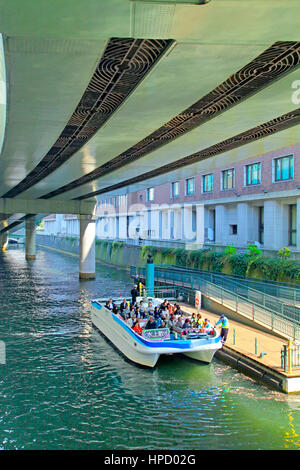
column 145, row 349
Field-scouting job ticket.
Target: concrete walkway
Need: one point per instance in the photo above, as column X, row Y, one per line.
column 243, row 339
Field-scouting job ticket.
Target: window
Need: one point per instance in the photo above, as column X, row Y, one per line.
column 233, row 229
column 284, row 168
column 208, row 183
column 123, row 200
column 292, row 225
column 150, row 194
column 228, row 179
column 175, row 189
column 190, row 186
column 253, row 174
column 261, row 225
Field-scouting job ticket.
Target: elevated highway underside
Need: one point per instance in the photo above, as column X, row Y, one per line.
column 105, row 96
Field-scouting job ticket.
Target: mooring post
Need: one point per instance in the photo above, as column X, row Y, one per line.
column 289, row 350
column 150, row 276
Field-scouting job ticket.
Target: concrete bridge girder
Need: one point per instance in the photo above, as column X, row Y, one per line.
column 39, row 206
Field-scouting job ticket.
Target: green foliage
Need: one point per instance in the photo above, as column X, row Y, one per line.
column 230, row 250
column 239, row 264
column 153, row 250
column 284, row 253
column 144, row 251
column 167, row 251
column 197, row 258
column 253, row 250
column 215, row 261
column 181, row 256
column 117, row 244
column 276, row 269
column 249, row 264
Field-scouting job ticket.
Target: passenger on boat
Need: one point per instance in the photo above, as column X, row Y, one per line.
column 194, row 320
column 171, row 321
column 207, row 325
column 137, row 327
column 129, row 322
column 138, row 312
column 165, row 312
column 175, row 310
column 134, row 294
column 163, row 304
column 163, row 324
column 132, row 311
column 150, row 309
column 115, row 309
column 142, row 309
column 109, row 304
column 180, row 321
column 123, row 305
column 170, row 308
column 199, row 321
column 151, row 324
column 187, row 324
column 156, row 313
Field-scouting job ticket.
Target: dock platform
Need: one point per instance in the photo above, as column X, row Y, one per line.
column 254, row 352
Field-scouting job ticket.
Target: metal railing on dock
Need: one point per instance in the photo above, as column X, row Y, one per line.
column 287, row 293
column 290, row 357
column 239, row 286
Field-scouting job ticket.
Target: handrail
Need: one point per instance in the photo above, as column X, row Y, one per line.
column 260, row 282
column 286, row 308
column 264, row 315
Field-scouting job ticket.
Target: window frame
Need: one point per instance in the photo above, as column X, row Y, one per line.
column 172, row 186
column 148, row 192
column 203, row 183
column 188, row 192
column 250, row 165
column 292, row 231
column 275, row 160
column 222, row 179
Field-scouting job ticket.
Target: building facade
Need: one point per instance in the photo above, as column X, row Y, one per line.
column 256, row 201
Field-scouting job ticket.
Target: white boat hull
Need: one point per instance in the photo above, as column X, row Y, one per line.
column 143, row 351
column 119, row 338
column 205, row 355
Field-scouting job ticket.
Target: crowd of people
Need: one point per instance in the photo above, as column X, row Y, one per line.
column 139, row 316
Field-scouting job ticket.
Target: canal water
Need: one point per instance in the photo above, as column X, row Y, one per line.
column 65, row 387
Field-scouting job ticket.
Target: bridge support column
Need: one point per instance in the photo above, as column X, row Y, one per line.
column 87, row 261
column 4, row 241
column 30, row 247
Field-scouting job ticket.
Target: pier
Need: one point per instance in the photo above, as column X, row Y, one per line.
column 260, row 343
column 255, row 353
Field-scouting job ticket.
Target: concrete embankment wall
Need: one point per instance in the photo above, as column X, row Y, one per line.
column 124, row 255
column 115, row 253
